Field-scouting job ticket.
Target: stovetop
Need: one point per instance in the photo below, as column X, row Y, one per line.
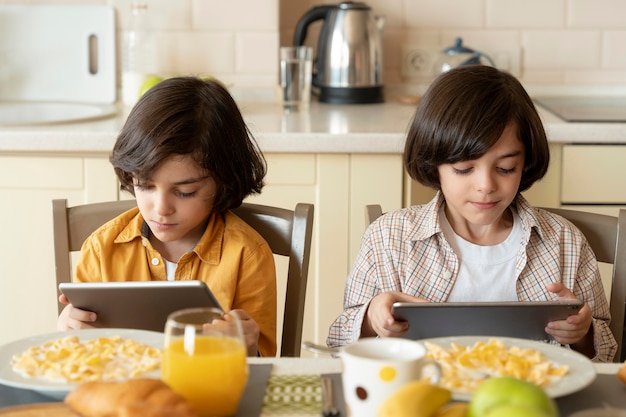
column 586, row 109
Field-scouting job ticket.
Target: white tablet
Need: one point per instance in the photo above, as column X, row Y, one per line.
column 137, row 304
column 521, row 319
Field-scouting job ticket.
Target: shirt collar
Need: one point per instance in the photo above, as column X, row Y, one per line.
column 428, row 224
column 208, row 248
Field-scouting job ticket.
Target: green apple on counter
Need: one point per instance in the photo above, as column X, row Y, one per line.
column 510, row 397
column 149, row 82
column 152, row 80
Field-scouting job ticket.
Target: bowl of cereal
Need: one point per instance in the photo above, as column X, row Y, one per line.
column 466, row 361
column 55, row 363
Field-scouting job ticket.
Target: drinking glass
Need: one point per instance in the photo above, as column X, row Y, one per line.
column 204, row 359
column 295, row 76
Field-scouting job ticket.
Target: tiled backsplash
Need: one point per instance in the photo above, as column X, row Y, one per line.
column 562, row 42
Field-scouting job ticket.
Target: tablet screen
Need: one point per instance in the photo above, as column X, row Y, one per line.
column 525, row 320
column 137, row 304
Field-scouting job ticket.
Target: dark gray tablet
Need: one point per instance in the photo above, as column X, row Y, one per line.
column 137, row 304
column 526, row 320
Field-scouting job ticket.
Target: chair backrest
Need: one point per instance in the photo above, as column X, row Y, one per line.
column 372, row 212
column 607, row 237
column 288, row 233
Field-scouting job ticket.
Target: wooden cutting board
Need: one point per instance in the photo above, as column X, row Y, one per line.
column 38, row 410
column 57, row 53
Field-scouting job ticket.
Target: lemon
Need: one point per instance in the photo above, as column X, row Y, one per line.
column 415, row 399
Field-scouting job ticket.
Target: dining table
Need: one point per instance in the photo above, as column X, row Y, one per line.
column 291, row 387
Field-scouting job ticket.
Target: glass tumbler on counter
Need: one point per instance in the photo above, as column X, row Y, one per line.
column 296, row 65
column 204, row 359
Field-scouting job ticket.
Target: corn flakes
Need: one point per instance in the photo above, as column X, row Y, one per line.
column 465, row 367
column 68, row 360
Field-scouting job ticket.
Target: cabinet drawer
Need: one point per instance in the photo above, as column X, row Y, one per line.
column 594, row 174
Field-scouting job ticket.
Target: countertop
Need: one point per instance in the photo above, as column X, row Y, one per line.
column 323, row 128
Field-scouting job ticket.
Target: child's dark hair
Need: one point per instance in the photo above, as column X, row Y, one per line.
column 191, row 116
column 463, row 113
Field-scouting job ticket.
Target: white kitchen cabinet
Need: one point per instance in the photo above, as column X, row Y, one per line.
column 28, row 184
column 546, row 191
column 594, row 174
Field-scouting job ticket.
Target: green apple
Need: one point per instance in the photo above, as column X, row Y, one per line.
column 516, row 410
column 497, row 392
column 148, row 83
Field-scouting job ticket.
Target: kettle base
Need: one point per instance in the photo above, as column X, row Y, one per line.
column 351, row 95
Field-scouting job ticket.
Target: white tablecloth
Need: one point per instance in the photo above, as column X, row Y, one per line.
column 303, row 366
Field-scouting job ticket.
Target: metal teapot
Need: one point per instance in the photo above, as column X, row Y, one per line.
column 459, row 55
column 348, row 67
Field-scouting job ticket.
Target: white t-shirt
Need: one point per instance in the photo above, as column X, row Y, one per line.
column 170, row 269
column 486, row 273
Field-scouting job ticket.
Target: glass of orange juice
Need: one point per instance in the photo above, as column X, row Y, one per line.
column 204, row 359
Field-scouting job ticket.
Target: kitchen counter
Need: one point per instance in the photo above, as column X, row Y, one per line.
column 324, row 128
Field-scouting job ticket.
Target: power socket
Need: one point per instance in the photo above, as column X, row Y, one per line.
column 418, row 62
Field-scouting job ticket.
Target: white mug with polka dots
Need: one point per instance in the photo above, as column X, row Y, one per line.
column 374, row 368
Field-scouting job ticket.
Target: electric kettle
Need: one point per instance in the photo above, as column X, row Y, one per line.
column 459, row 55
column 348, row 67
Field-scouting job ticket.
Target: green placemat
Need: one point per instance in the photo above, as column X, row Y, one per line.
column 293, row 394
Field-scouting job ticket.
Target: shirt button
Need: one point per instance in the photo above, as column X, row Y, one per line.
column 447, row 275
column 144, row 242
column 155, row 261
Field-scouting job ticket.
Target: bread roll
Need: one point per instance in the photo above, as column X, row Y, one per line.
column 621, row 373
column 145, row 397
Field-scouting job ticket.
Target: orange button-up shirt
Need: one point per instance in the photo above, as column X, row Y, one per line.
column 231, row 258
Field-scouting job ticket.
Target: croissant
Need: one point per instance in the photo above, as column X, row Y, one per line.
column 137, row 397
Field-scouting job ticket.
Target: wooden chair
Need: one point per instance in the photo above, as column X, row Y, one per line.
column 372, row 212
column 607, row 237
column 288, row 232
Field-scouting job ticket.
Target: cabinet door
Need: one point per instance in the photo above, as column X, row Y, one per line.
column 546, row 191
column 291, row 179
column 594, row 174
column 28, row 184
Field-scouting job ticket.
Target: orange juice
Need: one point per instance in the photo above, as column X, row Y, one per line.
column 212, row 378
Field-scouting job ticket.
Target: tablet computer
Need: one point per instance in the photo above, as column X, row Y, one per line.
column 137, row 304
column 521, row 319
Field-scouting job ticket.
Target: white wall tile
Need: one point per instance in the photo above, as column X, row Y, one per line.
column 563, row 41
column 482, row 39
column 561, row 50
column 162, row 14
column 444, row 13
column 596, row 14
column 415, row 36
column 595, row 77
column 614, row 50
column 235, row 14
column 256, row 52
column 525, row 13
column 198, row 52
column 545, row 77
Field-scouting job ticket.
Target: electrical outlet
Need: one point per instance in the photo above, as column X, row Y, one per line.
column 418, row 62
